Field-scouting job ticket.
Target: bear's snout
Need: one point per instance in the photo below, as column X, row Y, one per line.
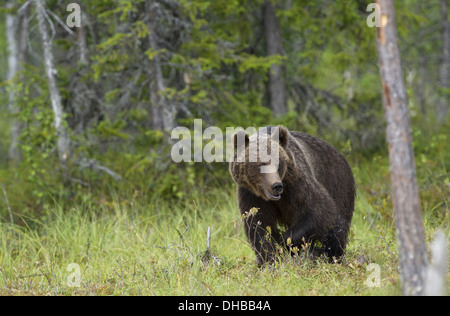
column 277, row 188
column 272, row 186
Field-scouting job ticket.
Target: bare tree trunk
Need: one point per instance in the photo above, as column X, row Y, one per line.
column 63, row 142
column 82, row 42
column 277, row 87
column 162, row 113
column 12, row 22
column 405, row 194
column 445, row 65
column 81, row 106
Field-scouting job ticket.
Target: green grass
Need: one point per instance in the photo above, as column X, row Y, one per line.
column 128, row 245
column 135, row 249
column 130, row 249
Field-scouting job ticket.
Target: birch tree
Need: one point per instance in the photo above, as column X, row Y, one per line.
column 11, row 31
column 16, row 35
column 404, row 190
column 63, row 140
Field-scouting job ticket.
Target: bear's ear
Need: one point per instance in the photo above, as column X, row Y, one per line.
column 240, row 138
column 283, row 135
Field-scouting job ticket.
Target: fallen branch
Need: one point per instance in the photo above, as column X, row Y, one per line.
column 94, row 165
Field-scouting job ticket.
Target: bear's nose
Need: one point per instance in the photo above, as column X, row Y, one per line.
column 277, row 188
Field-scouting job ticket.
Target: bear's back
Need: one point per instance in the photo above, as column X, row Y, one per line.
column 329, row 167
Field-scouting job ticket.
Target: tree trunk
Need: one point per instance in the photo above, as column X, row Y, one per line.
column 12, row 22
column 82, row 42
column 162, row 113
column 63, row 140
column 405, row 194
column 445, row 64
column 277, row 87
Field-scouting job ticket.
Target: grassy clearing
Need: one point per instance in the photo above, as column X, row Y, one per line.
column 133, row 250
column 125, row 246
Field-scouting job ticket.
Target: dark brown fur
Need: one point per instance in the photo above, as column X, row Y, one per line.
column 317, row 199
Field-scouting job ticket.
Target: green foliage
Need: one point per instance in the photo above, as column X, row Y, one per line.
column 38, row 135
column 107, row 129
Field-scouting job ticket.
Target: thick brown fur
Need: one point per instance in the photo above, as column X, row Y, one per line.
column 317, row 196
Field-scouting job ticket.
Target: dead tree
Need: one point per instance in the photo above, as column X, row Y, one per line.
column 405, row 194
column 63, row 139
column 16, row 35
column 11, row 30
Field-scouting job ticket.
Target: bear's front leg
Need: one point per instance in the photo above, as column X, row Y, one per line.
column 263, row 235
column 260, row 226
column 317, row 217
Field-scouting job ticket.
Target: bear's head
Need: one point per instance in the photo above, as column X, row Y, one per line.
column 260, row 161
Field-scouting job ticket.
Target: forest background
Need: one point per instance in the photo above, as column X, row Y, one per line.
column 100, row 190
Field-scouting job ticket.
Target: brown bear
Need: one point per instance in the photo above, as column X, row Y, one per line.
column 307, row 197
